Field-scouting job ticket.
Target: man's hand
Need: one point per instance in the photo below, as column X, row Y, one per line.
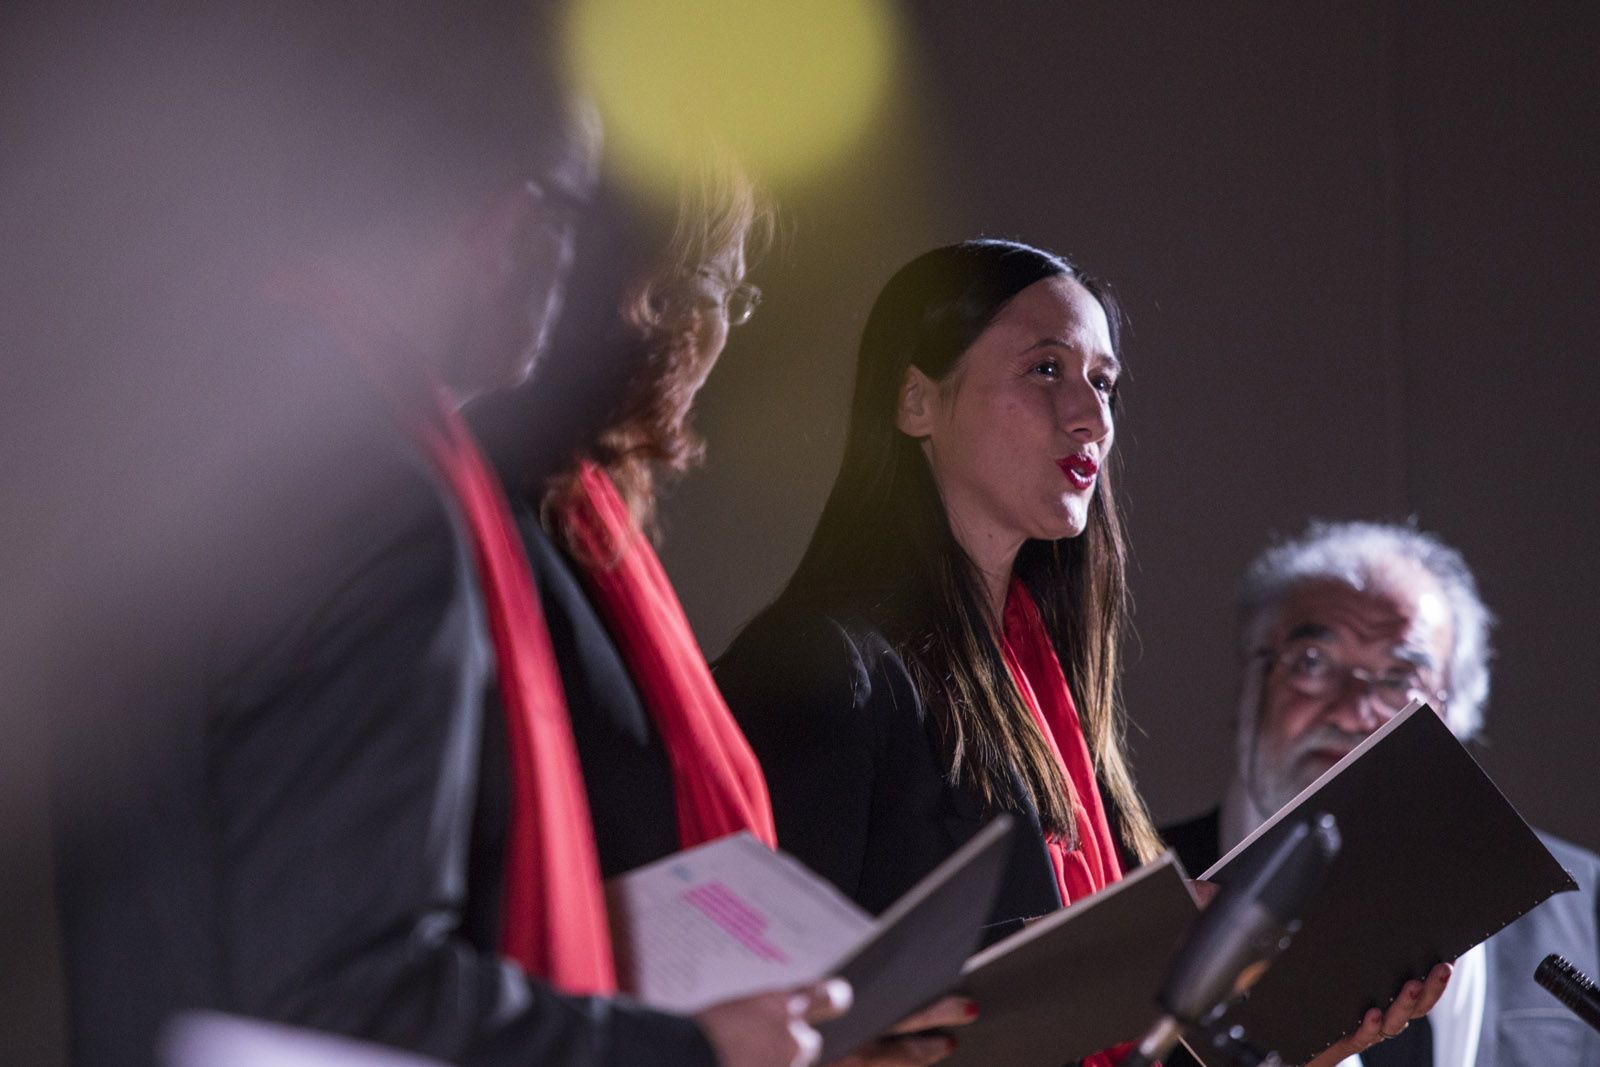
column 909, row 1044
column 774, row 1029
column 1416, row 999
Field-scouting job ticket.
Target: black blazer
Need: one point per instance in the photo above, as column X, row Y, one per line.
column 626, row 772
column 271, row 768
column 857, row 789
column 1523, row 1026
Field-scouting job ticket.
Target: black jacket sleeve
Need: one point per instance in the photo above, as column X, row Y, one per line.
column 266, row 791
column 344, row 775
column 859, row 789
column 801, row 692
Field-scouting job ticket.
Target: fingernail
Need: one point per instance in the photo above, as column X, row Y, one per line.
column 1413, row 990
column 970, row 1009
column 950, row 1045
column 839, row 993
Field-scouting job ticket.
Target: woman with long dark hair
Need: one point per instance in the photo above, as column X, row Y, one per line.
column 948, row 647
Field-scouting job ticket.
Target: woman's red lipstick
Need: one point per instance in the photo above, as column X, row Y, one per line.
column 1080, row 469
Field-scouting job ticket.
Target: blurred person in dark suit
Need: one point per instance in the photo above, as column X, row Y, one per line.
column 291, row 608
column 1339, row 629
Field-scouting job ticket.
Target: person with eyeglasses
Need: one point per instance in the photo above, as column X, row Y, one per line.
column 582, row 450
column 1339, row 629
column 318, row 772
column 665, row 766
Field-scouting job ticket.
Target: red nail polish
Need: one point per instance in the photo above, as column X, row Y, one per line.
column 971, row 1009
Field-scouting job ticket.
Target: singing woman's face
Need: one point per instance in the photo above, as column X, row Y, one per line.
column 1017, row 432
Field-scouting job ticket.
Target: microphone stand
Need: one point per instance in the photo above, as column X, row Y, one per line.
column 1230, row 1046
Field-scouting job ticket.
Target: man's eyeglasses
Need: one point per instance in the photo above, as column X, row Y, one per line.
column 1314, row 671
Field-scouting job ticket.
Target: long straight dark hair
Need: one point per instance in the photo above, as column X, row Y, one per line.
column 884, row 533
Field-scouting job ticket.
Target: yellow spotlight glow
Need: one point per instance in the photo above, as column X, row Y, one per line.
column 788, row 85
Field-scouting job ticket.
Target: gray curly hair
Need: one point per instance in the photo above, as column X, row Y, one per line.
column 1356, row 553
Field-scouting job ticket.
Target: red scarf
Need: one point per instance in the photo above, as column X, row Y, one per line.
column 716, row 781
column 554, row 919
column 1031, row 659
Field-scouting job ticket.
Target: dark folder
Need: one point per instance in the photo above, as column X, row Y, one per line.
column 1434, row 861
column 1079, row 980
column 921, row 942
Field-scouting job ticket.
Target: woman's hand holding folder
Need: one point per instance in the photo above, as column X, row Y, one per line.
column 1416, row 999
column 919, row 1039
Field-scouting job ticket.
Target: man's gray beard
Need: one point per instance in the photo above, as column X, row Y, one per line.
column 1271, row 787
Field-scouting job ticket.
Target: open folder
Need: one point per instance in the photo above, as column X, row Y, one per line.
column 1434, row 860
column 1079, row 980
column 733, row 918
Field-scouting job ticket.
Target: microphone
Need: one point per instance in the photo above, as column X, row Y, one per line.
column 1570, row 986
column 1240, row 933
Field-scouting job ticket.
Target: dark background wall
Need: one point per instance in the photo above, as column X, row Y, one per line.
column 1357, row 243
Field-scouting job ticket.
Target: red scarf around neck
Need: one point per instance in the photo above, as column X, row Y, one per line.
column 1032, row 661
column 553, row 920
column 716, row 780
column 554, row 916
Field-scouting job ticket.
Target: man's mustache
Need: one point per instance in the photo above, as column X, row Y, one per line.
column 1320, row 739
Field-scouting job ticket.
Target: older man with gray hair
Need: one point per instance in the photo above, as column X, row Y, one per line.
column 1339, row 629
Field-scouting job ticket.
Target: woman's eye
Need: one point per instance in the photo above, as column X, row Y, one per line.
column 1048, row 369
column 1106, row 384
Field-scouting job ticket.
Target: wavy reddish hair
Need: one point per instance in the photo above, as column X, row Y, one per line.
column 719, row 214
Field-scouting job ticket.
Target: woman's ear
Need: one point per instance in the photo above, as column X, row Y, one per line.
column 914, row 413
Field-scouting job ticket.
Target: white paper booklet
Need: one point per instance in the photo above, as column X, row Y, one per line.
column 727, row 919
column 732, row 918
